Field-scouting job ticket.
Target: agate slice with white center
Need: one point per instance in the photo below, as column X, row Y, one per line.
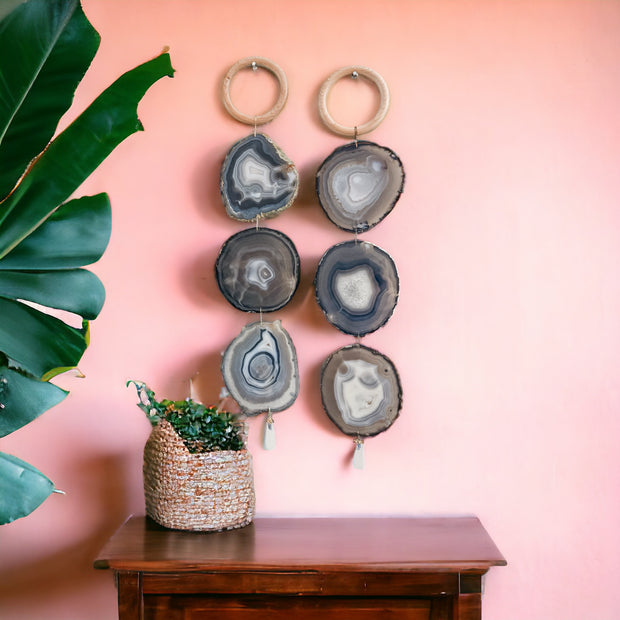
column 359, row 184
column 259, row 368
column 257, row 179
column 257, row 270
column 360, row 390
column 357, row 287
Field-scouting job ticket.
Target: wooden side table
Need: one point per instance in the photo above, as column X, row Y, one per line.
column 283, row 568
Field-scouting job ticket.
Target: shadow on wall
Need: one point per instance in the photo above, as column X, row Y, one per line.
column 70, row 570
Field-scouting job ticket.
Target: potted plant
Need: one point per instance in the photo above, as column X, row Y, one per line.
column 197, row 470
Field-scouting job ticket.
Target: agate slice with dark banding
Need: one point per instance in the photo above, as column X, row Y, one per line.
column 357, row 287
column 360, row 390
column 359, row 184
column 257, row 270
column 259, row 368
column 257, row 179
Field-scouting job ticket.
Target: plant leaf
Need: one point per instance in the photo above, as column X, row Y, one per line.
column 6, row 6
column 77, row 152
column 38, row 342
column 47, row 46
column 24, row 399
column 22, row 488
column 74, row 290
column 76, row 234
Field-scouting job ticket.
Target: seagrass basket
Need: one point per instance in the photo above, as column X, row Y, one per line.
column 207, row 491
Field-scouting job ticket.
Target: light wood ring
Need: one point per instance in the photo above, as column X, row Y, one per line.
column 373, row 123
column 249, row 63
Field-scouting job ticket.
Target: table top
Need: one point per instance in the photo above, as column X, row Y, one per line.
column 450, row 544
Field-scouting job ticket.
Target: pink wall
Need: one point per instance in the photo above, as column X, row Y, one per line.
column 506, row 335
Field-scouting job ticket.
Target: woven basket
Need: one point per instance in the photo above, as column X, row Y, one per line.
column 200, row 492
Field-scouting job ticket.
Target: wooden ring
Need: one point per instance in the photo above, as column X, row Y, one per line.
column 373, row 123
column 250, row 63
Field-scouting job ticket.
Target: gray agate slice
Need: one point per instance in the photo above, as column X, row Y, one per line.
column 357, row 287
column 257, row 179
column 257, row 270
column 259, row 368
column 359, row 184
column 360, row 390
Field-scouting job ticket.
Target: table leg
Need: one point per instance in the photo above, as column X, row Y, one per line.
column 468, row 607
column 468, row 604
column 130, row 597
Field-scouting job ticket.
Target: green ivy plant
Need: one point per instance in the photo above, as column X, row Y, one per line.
column 202, row 428
column 46, row 234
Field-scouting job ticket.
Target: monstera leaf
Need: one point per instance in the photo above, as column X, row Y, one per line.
column 46, row 235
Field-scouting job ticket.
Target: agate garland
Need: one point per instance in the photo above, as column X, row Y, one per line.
column 356, row 282
column 257, row 270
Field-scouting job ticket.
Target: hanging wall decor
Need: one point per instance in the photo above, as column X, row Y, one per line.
column 361, row 394
column 260, row 368
column 356, row 283
column 356, row 286
column 359, row 184
column 360, row 390
column 257, row 178
column 257, row 269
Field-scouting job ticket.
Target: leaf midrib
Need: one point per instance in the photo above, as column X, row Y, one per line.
column 38, row 71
